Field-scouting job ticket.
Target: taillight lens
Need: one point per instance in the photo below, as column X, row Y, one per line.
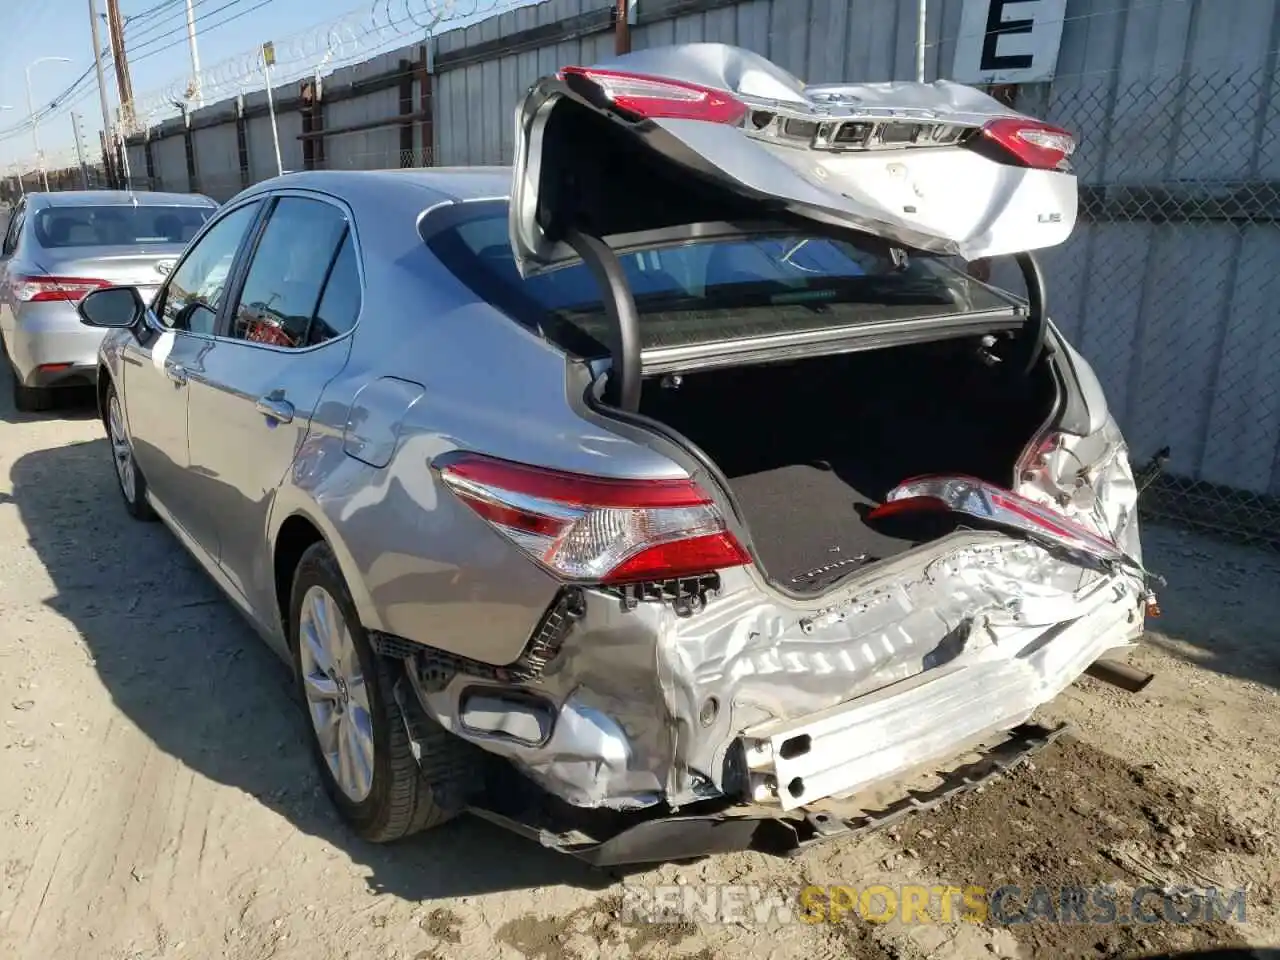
column 42, row 289
column 597, row 529
column 986, row 501
column 651, row 98
column 1030, row 142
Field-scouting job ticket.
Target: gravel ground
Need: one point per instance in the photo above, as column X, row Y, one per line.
column 157, row 800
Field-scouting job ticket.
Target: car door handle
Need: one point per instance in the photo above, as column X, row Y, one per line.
column 177, row 373
column 276, row 408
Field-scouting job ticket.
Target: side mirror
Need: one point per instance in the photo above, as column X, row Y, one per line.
column 111, row 307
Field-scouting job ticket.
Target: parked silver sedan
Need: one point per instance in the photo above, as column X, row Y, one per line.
column 648, row 512
column 57, row 247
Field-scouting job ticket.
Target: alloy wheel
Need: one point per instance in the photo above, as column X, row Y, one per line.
column 121, row 451
column 337, row 698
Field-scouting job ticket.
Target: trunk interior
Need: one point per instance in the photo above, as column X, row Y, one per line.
column 810, row 446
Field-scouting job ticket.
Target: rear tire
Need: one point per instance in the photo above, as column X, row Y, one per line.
column 347, row 695
column 30, row 399
column 129, row 479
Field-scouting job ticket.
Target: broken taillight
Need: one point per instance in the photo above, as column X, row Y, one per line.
column 1031, row 143
column 986, row 501
column 652, row 98
column 597, row 529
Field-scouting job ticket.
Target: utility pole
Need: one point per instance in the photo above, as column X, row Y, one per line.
column 115, row 25
column 102, row 86
column 196, row 94
column 77, row 133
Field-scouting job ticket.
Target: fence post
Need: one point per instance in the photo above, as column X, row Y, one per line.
column 622, row 27
column 406, row 109
column 242, row 142
column 107, row 163
column 148, row 156
column 312, row 113
column 426, row 108
column 189, row 146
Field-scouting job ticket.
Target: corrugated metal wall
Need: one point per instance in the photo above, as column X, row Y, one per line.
column 1169, row 289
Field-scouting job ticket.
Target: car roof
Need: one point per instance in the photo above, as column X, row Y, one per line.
column 451, row 184
column 116, row 198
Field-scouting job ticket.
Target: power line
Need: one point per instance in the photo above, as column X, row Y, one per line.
column 149, row 30
column 206, row 29
column 151, row 11
column 199, row 20
column 45, row 111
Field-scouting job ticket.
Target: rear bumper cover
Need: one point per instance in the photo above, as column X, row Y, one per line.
column 630, row 706
column 51, row 334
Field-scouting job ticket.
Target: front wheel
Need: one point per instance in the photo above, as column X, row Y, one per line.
column 131, row 482
column 358, row 732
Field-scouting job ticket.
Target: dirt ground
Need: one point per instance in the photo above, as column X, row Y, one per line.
column 156, row 798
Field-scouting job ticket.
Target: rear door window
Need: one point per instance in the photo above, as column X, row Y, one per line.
column 117, row 225
column 286, row 300
column 713, row 290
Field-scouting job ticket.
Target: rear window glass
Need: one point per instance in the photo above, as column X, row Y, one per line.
column 117, row 225
column 706, row 291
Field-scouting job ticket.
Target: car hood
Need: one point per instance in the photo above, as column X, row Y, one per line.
column 581, row 163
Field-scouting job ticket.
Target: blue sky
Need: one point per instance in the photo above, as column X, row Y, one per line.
column 156, row 46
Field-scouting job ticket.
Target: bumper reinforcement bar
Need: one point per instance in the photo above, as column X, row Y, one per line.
column 643, row 838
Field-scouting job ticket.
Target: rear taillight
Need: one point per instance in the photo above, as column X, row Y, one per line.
column 651, row 98
column 596, row 529
column 983, row 500
column 1030, row 142
column 42, row 289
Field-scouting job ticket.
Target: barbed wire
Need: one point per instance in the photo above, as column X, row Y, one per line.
column 359, row 34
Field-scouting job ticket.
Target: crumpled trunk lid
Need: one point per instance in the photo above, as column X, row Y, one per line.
column 936, row 167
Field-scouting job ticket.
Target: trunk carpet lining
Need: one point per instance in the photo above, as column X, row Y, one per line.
column 807, row 524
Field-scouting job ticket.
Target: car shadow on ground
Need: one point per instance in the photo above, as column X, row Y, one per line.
column 180, row 663
column 1220, row 604
column 70, row 403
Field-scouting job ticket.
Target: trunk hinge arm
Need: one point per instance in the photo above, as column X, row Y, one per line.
column 1037, row 316
column 623, row 388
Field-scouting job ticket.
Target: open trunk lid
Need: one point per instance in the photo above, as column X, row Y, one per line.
column 679, row 141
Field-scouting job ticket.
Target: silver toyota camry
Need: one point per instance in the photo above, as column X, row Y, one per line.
column 58, row 246
column 662, row 495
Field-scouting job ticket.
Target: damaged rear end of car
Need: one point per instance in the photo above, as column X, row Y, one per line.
column 898, row 518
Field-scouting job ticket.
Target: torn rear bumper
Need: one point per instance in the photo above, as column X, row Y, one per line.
column 857, row 744
column 641, row 838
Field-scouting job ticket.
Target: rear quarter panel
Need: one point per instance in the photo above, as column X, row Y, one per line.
column 421, row 565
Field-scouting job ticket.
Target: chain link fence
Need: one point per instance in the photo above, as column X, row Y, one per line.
column 1169, row 284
